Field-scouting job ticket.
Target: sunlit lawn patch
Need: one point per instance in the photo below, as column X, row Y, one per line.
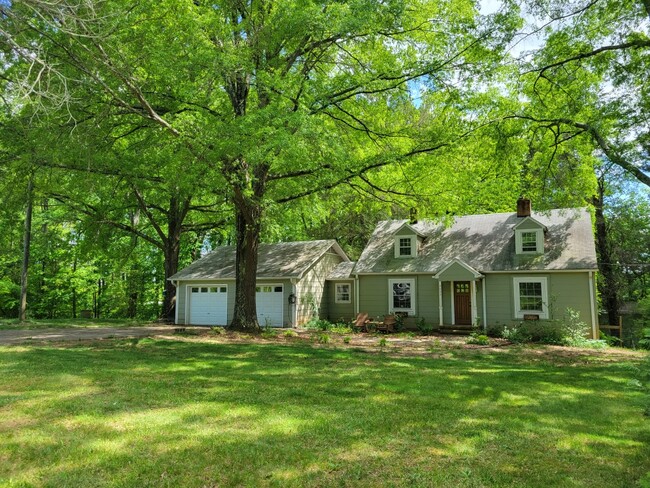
column 163, row 413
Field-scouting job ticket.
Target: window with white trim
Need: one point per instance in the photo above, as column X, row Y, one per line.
column 529, row 241
column 531, row 297
column 401, row 296
column 343, row 293
column 405, row 246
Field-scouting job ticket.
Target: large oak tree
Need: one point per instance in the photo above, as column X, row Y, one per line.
column 275, row 99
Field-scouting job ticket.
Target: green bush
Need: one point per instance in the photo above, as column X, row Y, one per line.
column 319, row 324
column 570, row 331
column 423, row 327
column 544, row 332
column 269, row 332
column 644, row 341
column 494, row 330
column 341, row 329
column 346, row 340
column 610, row 339
column 326, row 325
column 480, row 339
column 290, row 333
column 324, row 338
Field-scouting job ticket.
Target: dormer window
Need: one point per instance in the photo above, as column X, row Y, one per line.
column 529, row 241
column 529, row 236
column 405, row 246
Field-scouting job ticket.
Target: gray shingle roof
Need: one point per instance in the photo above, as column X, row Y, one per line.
column 342, row 271
column 485, row 242
column 281, row 260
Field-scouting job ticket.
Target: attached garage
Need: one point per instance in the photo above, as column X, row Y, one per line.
column 208, row 304
column 290, row 286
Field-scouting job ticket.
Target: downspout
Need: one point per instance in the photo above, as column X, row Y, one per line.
column 294, row 305
column 594, row 329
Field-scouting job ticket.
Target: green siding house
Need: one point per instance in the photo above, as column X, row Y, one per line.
column 482, row 270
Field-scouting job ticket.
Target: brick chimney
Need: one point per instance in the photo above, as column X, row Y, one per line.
column 523, row 207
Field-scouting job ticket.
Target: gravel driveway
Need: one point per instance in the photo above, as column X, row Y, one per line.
column 8, row 337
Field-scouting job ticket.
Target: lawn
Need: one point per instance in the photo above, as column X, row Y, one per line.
column 15, row 324
column 191, row 413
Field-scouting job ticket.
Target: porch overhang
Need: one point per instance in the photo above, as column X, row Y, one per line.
column 458, row 270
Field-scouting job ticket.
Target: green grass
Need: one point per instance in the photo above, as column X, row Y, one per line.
column 14, row 324
column 192, row 414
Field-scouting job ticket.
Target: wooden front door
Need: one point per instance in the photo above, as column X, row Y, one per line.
column 462, row 303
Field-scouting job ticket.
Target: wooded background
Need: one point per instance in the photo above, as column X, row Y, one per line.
column 136, row 136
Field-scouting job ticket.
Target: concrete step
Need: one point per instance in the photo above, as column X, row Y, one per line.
column 456, row 329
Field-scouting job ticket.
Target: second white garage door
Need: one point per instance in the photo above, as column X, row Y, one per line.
column 270, row 302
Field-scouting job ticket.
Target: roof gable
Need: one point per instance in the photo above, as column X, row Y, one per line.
column 530, row 223
column 457, row 270
column 406, row 230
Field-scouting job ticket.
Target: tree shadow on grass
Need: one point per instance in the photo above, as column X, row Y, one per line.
column 190, row 414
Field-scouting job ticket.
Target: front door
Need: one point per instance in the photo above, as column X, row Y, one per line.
column 462, row 303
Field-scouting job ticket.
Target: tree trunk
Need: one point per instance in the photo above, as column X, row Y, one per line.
column 609, row 287
column 74, row 287
column 171, row 251
column 26, row 247
column 247, row 218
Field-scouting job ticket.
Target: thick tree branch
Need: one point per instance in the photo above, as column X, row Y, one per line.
column 145, row 208
column 635, row 44
column 599, row 139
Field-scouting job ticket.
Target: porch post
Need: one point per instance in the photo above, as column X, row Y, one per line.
column 472, row 285
column 440, row 301
column 453, row 309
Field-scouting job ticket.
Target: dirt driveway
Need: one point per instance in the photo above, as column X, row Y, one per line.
column 8, row 337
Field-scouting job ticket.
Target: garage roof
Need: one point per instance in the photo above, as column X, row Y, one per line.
column 280, row 260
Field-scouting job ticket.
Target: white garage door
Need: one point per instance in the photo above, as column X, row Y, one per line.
column 208, row 305
column 270, row 301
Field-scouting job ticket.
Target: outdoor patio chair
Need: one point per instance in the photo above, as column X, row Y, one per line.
column 360, row 322
column 388, row 325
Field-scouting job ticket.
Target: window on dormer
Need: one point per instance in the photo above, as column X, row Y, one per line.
column 529, row 241
column 405, row 246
